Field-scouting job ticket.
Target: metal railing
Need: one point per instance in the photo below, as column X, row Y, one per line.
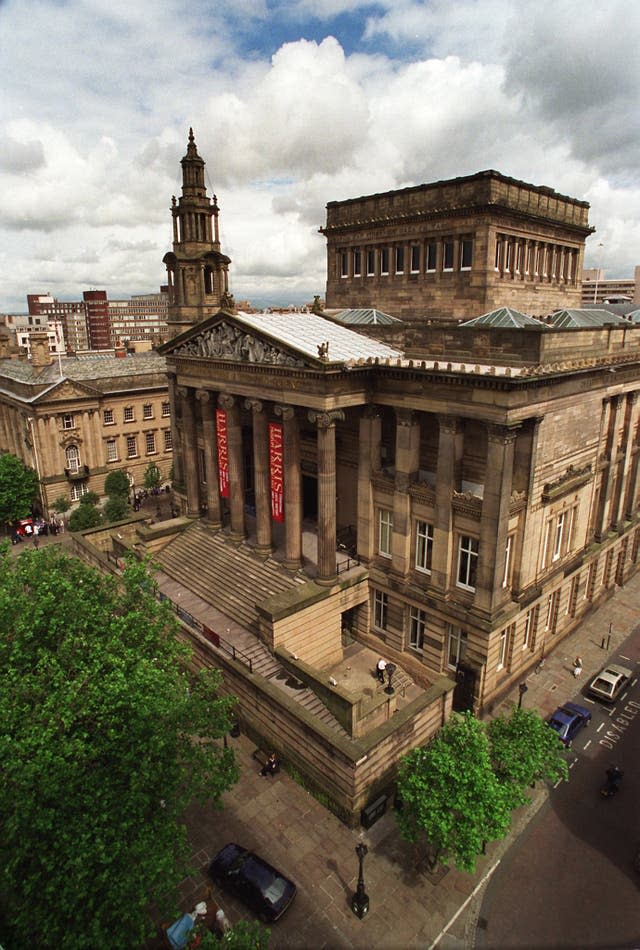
column 214, row 638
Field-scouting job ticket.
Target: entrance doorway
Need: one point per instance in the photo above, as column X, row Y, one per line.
column 309, row 498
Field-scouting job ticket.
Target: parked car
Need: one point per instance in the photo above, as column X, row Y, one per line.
column 609, row 682
column 258, row 885
column 568, row 720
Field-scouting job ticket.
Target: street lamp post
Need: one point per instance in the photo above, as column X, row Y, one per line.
column 360, row 900
column 390, row 670
column 523, row 689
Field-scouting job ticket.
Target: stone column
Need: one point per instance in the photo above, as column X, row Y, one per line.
column 494, row 522
column 327, row 541
column 236, row 472
column 449, row 454
column 407, row 464
column 176, row 440
column 292, row 488
column 192, row 482
column 261, row 477
column 368, row 463
column 207, row 407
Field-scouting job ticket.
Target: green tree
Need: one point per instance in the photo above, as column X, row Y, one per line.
column 152, row 476
column 246, row 935
column 61, row 504
column 83, row 517
column 106, row 737
column 523, row 751
column 18, row 489
column 450, row 794
column 90, row 498
column 117, row 483
column 116, row 508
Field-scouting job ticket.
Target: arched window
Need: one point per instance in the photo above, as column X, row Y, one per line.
column 72, row 455
column 208, row 280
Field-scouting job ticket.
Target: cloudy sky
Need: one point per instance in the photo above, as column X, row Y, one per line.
column 295, row 103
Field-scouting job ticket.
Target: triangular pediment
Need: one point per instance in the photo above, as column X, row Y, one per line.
column 227, row 340
column 68, row 389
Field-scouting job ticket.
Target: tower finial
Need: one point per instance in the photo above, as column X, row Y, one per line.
column 191, row 139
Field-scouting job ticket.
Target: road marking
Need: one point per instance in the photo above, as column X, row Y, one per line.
column 601, row 726
column 460, row 909
column 557, row 783
column 592, row 701
column 612, row 711
column 587, row 745
column 623, row 657
column 624, row 696
column 571, row 764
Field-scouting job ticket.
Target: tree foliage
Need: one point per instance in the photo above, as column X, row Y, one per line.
column 90, row 498
column 117, row 483
column 18, row 489
column 116, row 508
column 246, row 935
column 84, row 516
column 525, row 750
column 152, row 476
column 449, row 794
column 105, row 739
column 61, row 504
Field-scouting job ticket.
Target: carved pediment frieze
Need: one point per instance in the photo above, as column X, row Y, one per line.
column 227, row 342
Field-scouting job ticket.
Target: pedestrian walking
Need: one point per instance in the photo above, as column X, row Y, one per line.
column 381, row 666
column 577, row 666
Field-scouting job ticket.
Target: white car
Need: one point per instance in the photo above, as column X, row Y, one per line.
column 609, row 682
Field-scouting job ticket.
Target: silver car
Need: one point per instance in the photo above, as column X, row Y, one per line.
column 609, row 682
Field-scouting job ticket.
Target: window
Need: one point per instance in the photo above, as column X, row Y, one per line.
column 529, row 635
column 129, row 415
column 384, row 260
column 78, row 489
column 499, row 247
column 357, row 263
column 380, row 609
column 424, row 546
column 467, row 562
column 72, row 456
column 417, row 627
column 168, row 440
column 112, row 450
column 68, row 421
column 150, row 442
column 456, row 647
column 371, row 263
column 166, row 410
column 553, row 600
column 509, row 261
column 466, row 253
column 132, row 448
column 558, row 536
column 573, row 596
column 432, row 256
column 447, row 255
column 415, row 258
column 344, row 264
column 147, row 411
column 591, row 580
column 528, row 259
column 399, row 260
column 503, row 646
column 108, row 417
column 385, row 531
column 506, row 576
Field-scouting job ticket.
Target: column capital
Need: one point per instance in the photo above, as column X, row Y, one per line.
column 226, row 401
column 285, row 412
column 204, row 395
column 184, row 391
column 502, row 434
column 449, row 423
column 405, row 417
column 325, row 419
column 255, row 405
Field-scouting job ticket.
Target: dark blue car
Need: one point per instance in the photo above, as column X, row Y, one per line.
column 568, row 720
column 258, row 885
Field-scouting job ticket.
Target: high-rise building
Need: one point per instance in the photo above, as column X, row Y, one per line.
column 597, row 288
column 98, row 327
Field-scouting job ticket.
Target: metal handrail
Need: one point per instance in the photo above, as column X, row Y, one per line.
column 214, row 638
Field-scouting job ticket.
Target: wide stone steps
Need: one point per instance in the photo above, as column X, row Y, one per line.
column 227, row 575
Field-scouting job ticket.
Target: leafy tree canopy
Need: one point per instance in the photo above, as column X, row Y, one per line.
column 450, row 794
column 525, row 750
column 116, row 508
column 90, row 498
column 105, row 739
column 246, row 935
column 18, row 489
column 152, row 476
column 117, row 483
column 84, row 516
column 61, row 504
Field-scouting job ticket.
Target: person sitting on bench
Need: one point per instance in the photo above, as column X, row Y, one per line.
column 271, row 766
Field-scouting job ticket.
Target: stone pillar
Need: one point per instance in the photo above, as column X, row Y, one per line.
column 176, row 440
column 207, row 408
column 261, row 477
column 192, row 482
column 236, row 472
column 494, row 522
column 368, row 463
column 407, row 464
column 327, row 540
column 292, row 488
column 626, row 466
column 449, row 454
column 603, row 518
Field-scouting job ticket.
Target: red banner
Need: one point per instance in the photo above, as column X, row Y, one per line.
column 276, row 471
column 223, row 452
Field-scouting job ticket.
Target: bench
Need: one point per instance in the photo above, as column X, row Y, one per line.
column 261, row 756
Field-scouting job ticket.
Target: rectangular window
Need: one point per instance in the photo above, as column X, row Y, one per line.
column 147, row 411
column 509, row 261
column 590, row 587
column 68, row 421
column 129, row 414
column 608, row 564
column 168, row 440
column 573, row 596
column 558, row 536
column 528, row 259
column 399, row 251
column 553, row 601
column 371, row 263
column 467, row 562
column 150, row 442
column 506, row 576
column 518, row 257
column 498, row 260
column 447, row 255
column 380, row 609
column 529, row 635
column 424, row 546
column 456, row 646
column 166, row 410
column 417, row 628
column 357, row 264
column 108, row 417
column 385, row 531
column 112, row 450
column 344, row 264
column 415, row 258
column 78, row 489
column 384, row 260
column 466, row 254
column 432, row 256
column 132, row 449
column 503, row 649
